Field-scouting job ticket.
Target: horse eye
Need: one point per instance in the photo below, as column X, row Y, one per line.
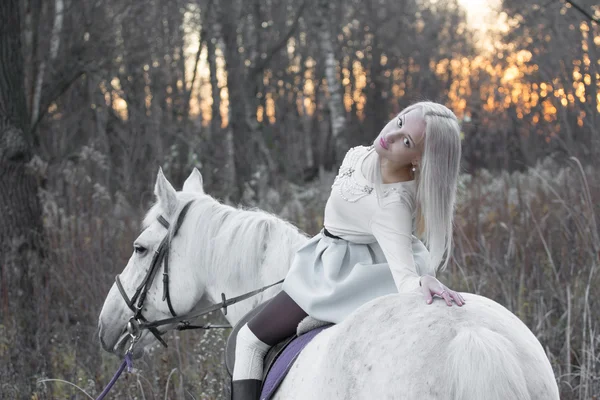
column 139, row 249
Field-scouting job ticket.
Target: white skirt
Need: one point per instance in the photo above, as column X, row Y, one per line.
column 330, row 278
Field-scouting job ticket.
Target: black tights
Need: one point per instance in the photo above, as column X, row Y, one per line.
column 277, row 320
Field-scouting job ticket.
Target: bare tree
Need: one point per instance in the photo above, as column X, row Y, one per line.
column 21, row 238
column 558, row 40
column 251, row 152
column 335, row 102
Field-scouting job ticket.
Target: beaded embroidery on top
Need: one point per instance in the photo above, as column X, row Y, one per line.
column 348, row 188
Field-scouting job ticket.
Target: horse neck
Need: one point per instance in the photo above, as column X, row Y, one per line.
column 243, row 251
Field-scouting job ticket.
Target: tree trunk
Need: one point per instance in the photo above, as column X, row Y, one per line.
column 21, row 236
column 52, row 53
column 309, row 158
column 224, row 155
column 243, row 151
column 215, row 121
column 375, row 109
column 335, row 102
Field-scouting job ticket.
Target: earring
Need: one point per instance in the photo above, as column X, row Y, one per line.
column 414, row 168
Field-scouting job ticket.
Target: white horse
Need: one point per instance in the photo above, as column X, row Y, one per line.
column 394, row 347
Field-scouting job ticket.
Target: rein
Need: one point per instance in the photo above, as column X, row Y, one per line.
column 135, row 328
column 138, row 322
column 183, row 320
column 126, row 363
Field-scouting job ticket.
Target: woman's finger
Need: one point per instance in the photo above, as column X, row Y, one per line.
column 462, row 298
column 456, row 297
column 427, row 294
column 446, row 296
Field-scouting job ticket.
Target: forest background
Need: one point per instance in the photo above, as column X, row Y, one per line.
column 264, row 96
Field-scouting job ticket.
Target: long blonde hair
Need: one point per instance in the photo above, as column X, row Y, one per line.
column 437, row 180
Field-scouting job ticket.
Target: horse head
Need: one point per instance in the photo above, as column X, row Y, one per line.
column 166, row 241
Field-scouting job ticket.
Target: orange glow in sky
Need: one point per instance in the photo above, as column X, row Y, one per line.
column 480, row 80
column 479, row 12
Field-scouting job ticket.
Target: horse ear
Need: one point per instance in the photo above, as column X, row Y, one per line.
column 194, row 182
column 165, row 193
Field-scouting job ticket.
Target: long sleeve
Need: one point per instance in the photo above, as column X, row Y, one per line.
column 392, row 228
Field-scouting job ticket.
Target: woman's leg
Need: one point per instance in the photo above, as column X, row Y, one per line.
column 277, row 321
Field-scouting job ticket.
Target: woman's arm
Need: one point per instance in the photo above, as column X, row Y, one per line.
column 392, row 227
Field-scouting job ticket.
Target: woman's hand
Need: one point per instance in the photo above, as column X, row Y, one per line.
column 431, row 286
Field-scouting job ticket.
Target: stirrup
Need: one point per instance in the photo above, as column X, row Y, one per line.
column 246, row 389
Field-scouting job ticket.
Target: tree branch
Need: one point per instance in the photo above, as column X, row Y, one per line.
column 53, row 52
column 265, row 61
column 581, row 10
column 54, row 93
column 201, row 40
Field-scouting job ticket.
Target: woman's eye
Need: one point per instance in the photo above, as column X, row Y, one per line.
column 399, row 123
column 139, row 249
column 406, row 142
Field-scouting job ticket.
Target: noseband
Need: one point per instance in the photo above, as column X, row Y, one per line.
column 161, row 256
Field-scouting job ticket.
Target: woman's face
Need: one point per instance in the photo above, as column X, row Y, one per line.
column 401, row 140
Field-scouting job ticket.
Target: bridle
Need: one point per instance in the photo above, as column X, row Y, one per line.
column 138, row 322
column 161, row 256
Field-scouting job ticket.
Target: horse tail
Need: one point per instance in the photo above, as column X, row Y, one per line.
column 484, row 365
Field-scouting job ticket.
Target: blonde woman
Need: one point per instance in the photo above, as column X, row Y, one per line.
column 403, row 185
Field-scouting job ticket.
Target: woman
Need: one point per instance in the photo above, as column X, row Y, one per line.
column 404, row 183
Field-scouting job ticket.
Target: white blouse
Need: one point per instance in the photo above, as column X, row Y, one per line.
column 354, row 213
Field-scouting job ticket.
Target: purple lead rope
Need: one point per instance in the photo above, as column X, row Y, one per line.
column 127, row 362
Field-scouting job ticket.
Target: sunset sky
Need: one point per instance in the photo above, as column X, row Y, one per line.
column 478, row 11
column 506, row 85
column 482, row 16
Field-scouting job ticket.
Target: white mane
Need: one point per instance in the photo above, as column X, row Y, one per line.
column 237, row 246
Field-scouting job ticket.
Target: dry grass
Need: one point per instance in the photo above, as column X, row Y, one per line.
column 529, row 241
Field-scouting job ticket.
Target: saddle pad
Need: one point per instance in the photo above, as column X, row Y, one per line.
column 284, row 362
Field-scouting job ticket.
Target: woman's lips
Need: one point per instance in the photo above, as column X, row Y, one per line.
column 383, row 143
